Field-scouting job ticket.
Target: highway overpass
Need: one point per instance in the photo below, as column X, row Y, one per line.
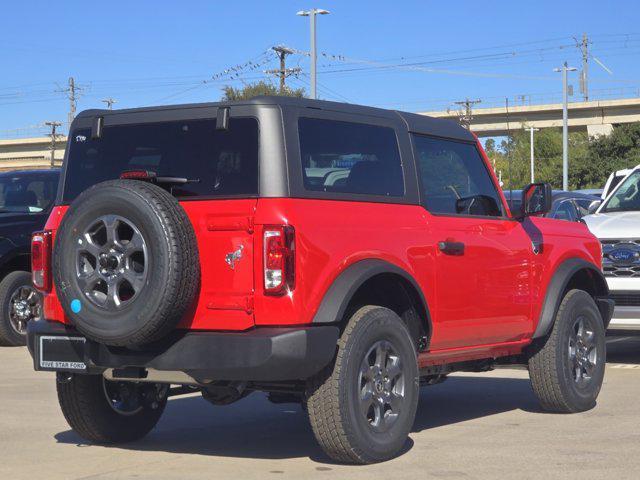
column 596, row 117
column 30, row 152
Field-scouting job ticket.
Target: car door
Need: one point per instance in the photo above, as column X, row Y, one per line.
column 483, row 289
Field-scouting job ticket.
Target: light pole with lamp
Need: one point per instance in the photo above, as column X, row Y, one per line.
column 312, row 18
column 531, row 129
column 565, row 124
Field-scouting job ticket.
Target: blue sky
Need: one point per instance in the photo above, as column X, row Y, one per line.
column 412, row 55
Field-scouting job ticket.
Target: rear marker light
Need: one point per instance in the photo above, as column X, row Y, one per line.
column 137, row 175
column 279, row 259
column 41, row 260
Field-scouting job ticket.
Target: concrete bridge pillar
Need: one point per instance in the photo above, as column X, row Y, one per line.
column 599, row 129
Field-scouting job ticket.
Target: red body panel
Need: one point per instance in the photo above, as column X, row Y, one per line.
column 483, row 304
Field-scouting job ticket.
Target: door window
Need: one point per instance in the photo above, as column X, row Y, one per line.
column 455, row 179
column 31, row 193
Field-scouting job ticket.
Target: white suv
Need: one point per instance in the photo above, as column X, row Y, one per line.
column 616, row 223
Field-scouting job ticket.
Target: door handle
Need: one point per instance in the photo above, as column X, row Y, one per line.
column 451, row 248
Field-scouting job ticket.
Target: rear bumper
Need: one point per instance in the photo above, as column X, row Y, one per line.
column 261, row 354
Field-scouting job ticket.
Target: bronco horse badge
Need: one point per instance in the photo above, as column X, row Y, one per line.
column 232, row 257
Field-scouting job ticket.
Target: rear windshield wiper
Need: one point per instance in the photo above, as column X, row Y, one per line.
column 176, row 180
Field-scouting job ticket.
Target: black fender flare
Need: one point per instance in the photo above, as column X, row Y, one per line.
column 557, row 286
column 337, row 297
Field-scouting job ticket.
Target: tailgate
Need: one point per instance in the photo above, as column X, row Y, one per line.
column 224, row 230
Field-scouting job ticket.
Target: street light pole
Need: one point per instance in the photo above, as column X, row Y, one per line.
column 314, row 56
column 565, row 124
column 531, row 129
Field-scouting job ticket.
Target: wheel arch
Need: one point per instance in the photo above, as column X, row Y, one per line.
column 573, row 273
column 377, row 282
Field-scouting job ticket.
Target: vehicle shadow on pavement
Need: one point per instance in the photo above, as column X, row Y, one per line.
column 462, row 398
column 256, row 428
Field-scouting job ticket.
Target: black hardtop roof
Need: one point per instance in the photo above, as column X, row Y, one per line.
column 415, row 123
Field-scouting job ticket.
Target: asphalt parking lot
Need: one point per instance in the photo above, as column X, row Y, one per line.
column 472, row 426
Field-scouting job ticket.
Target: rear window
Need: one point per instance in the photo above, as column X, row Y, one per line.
column 350, row 158
column 216, row 162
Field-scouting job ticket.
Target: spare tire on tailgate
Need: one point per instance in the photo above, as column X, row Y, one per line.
column 125, row 263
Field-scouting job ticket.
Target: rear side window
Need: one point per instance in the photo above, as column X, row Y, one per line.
column 216, row 162
column 350, row 158
column 454, row 178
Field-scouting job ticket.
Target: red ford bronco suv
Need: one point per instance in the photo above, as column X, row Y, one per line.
column 335, row 255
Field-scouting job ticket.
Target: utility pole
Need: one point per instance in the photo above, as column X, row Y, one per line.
column 531, row 129
column 314, row 56
column 109, row 102
column 584, row 74
column 565, row 124
column 54, row 137
column 465, row 118
column 283, row 72
column 72, row 95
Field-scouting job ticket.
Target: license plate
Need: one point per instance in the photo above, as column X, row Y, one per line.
column 61, row 353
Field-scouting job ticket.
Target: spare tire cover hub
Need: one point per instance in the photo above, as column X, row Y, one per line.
column 112, row 261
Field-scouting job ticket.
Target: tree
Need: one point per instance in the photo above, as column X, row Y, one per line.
column 591, row 160
column 620, row 149
column 490, row 147
column 257, row 89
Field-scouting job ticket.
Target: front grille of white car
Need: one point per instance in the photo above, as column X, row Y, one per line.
column 626, row 299
column 621, row 258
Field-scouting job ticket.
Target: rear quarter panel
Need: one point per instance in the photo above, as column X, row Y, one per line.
column 331, row 236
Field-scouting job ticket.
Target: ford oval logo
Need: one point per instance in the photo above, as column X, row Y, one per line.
column 623, row 255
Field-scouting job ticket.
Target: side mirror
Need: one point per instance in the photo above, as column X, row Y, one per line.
column 536, row 199
column 593, row 206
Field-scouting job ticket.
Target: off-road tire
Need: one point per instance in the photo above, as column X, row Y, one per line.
column 173, row 279
column 552, row 377
column 331, row 398
column 9, row 337
column 88, row 413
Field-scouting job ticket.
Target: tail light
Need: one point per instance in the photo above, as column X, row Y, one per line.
column 41, row 260
column 279, row 259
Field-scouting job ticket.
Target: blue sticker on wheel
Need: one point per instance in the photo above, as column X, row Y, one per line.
column 76, row 306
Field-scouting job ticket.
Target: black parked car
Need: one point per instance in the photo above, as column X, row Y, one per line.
column 570, row 206
column 26, row 198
